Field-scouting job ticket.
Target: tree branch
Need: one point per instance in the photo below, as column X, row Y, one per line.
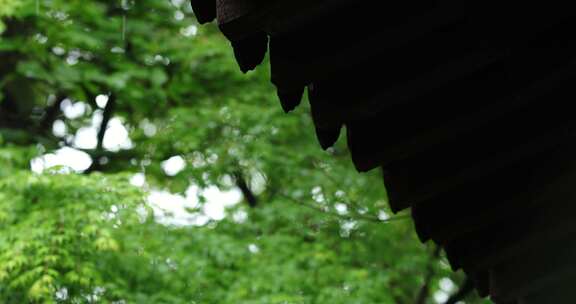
column 51, row 113
column 246, row 191
column 464, row 291
column 360, row 217
column 425, row 289
column 106, row 116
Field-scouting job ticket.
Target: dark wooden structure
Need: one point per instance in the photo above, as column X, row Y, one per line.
column 466, row 107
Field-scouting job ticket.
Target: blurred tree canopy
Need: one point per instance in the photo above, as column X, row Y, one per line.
column 107, row 104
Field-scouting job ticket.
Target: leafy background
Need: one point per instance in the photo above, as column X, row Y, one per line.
column 138, row 165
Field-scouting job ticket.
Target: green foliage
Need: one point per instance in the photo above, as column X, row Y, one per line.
column 9, row 7
column 54, row 227
column 319, row 233
column 69, row 238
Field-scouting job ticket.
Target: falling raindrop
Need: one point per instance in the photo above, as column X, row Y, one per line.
column 124, row 5
column 37, row 7
column 123, row 27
